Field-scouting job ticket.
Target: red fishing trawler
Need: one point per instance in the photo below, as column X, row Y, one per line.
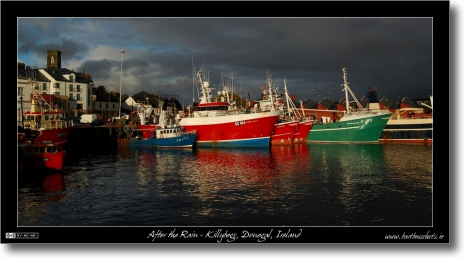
column 285, row 127
column 292, row 126
column 42, row 135
column 217, row 125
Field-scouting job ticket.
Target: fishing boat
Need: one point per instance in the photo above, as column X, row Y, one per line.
column 303, row 129
column 293, row 126
column 305, row 123
column 351, row 126
column 285, row 127
column 217, row 126
column 40, row 157
column 166, row 134
column 44, row 123
column 42, row 135
column 410, row 125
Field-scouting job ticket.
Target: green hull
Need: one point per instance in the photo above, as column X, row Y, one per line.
column 360, row 130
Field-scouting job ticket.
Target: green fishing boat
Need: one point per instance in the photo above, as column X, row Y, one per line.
column 351, row 126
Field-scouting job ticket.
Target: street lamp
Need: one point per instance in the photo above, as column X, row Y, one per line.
column 120, row 85
column 22, row 113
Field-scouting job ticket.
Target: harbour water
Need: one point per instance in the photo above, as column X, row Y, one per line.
column 300, row 185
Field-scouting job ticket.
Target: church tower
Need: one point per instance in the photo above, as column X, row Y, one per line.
column 53, row 59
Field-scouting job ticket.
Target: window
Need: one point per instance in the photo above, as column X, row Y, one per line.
column 44, row 86
column 78, row 97
column 56, row 85
column 71, row 87
column 71, row 96
column 100, row 105
column 79, row 88
column 114, row 106
column 52, row 60
column 71, row 78
column 56, row 93
column 20, row 91
column 79, row 106
column 106, row 105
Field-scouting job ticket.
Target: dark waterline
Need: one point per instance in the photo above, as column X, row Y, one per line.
column 303, row 185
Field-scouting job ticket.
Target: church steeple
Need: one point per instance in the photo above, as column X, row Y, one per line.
column 53, row 59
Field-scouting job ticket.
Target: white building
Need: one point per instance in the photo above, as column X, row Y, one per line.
column 72, row 91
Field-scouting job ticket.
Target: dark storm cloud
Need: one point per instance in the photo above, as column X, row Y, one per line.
column 98, row 68
column 393, row 55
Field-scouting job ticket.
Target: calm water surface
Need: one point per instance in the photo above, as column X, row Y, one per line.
column 301, row 185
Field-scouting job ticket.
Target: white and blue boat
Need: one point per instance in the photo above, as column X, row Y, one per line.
column 167, row 134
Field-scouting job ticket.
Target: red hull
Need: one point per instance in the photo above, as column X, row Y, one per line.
column 236, row 129
column 47, row 160
column 58, row 136
column 283, row 133
column 302, row 132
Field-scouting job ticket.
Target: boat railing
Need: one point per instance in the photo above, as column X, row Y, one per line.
column 47, row 125
column 55, row 124
column 415, row 116
column 367, row 111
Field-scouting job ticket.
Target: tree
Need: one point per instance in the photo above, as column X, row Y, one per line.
column 124, row 97
column 99, row 89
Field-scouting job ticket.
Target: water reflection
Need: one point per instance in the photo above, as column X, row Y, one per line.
column 161, row 167
column 35, row 191
column 412, row 165
column 310, row 185
column 254, row 180
column 374, row 179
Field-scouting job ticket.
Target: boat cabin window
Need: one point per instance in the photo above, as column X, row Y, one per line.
column 213, row 108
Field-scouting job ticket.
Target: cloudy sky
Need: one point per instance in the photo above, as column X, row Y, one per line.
column 392, row 55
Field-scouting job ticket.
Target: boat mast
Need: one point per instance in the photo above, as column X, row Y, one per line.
column 270, row 95
column 290, row 105
column 193, row 83
column 346, row 89
column 205, row 89
column 36, row 96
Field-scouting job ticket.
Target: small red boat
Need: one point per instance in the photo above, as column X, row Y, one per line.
column 41, row 156
column 292, row 127
column 283, row 133
column 302, row 131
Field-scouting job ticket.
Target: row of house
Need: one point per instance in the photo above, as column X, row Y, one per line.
column 72, row 92
column 370, row 97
